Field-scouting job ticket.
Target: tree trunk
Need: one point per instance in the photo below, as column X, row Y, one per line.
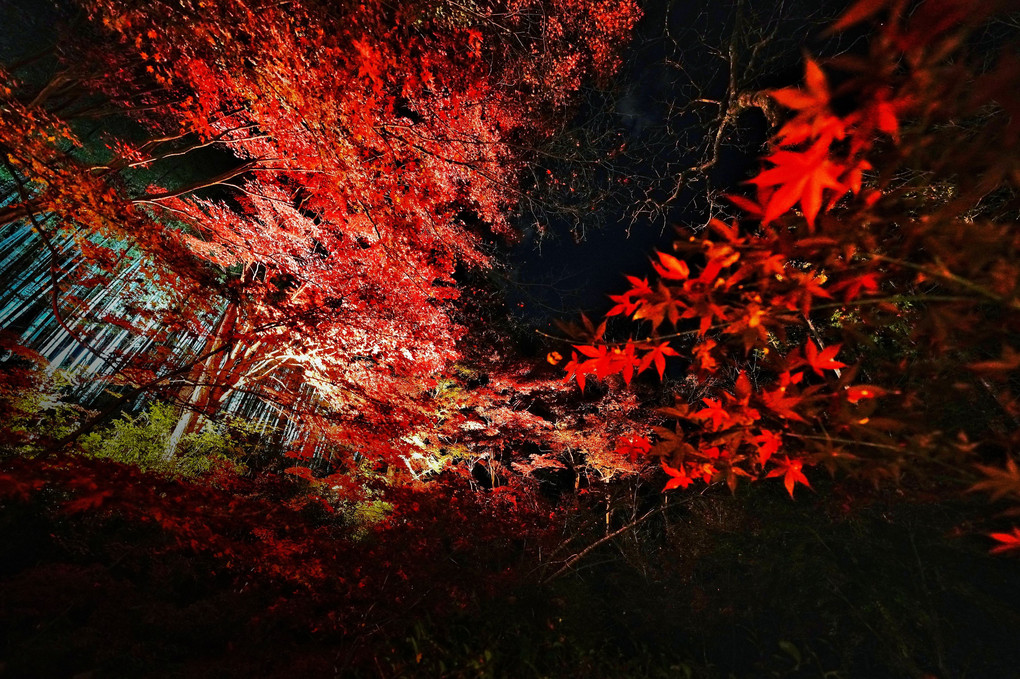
column 201, row 380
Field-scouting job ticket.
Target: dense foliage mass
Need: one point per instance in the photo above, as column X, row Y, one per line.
column 368, row 152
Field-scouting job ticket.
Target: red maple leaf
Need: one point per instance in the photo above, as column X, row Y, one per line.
column 626, row 361
column 815, row 97
column 749, row 206
column 791, row 472
column 782, row 404
column 678, row 478
column 1008, row 541
column 633, row 447
column 799, row 176
column 638, row 286
column 715, row 412
column 626, row 303
column 852, row 287
column 814, row 117
column 768, row 443
column 577, row 369
column 657, row 356
column 824, row 359
column 671, row 267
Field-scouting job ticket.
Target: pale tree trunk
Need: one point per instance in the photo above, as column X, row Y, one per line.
column 201, row 380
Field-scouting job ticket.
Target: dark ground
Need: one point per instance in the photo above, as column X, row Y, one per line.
column 834, row 585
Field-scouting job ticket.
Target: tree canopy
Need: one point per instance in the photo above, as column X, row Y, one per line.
column 369, row 153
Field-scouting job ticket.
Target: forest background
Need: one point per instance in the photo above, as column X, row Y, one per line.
column 280, row 292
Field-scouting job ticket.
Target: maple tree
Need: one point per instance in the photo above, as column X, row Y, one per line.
column 871, row 286
column 370, row 151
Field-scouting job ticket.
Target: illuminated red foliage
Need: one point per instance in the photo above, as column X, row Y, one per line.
column 866, row 221
column 374, row 149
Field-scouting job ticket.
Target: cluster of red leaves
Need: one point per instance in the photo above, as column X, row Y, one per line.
column 372, row 151
column 779, row 317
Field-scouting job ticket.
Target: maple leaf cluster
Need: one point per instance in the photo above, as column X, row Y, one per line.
column 840, row 322
column 373, row 149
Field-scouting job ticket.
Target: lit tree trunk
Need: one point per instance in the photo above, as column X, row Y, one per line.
column 201, row 380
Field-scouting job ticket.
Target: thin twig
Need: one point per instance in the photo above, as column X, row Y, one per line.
column 569, row 563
